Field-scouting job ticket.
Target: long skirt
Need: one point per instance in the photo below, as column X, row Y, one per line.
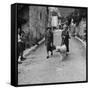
column 49, row 47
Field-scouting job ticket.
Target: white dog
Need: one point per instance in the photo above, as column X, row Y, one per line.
column 61, row 49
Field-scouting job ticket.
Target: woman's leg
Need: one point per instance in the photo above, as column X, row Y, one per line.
column 47, row 48
column 22, row 50
column 67, row 47
column 47, row 54
column 51, row 50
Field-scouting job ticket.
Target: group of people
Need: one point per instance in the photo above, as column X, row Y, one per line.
column 49, row 39
column 49, row 36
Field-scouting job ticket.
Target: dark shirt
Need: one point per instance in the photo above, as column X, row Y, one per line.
column 65, row 37
column 49, row 37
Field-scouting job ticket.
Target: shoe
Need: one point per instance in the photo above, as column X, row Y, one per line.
column 19, row 62
column 51, row 53
column 22, row 59
column 47, row 57
column 67, row 53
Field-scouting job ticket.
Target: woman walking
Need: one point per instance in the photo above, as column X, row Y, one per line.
column 49, row 41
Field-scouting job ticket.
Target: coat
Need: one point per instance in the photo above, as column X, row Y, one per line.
column 65, row 37
column 49, row 40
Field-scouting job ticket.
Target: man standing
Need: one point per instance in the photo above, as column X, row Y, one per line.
column 65, row 38
column 49, row 41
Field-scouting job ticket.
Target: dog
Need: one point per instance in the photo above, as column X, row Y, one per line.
column 61, row 49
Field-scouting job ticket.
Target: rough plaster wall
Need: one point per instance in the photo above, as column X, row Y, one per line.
column 35, row 27
column 81, row 27
column 37, row 20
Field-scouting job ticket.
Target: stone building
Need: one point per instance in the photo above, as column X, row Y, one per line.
column 53, row 19
column 81, row 29
column 35, row 25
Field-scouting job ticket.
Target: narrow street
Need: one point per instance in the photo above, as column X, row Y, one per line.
column 37, row 69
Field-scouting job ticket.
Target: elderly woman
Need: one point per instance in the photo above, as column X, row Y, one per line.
column 49, row 41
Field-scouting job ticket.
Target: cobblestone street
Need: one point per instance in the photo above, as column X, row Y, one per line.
column 37, row 69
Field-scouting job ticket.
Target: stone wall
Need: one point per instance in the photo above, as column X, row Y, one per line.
column 36, row 25
column 81, row 29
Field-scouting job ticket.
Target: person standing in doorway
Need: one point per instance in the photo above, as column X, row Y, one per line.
column 21, row 46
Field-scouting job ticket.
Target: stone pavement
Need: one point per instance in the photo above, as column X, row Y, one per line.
column 37, row 69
